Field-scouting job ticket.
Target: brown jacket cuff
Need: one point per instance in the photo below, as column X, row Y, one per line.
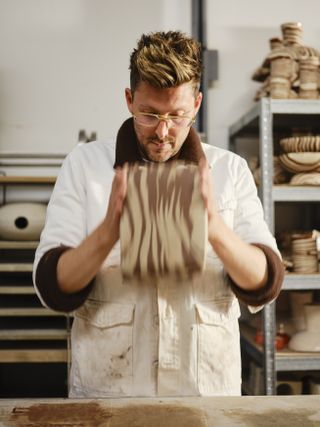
column 274, row 282
column 47, row 283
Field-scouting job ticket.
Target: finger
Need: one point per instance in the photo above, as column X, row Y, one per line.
column 120, row 185
column 124, row 178
column 203, row 169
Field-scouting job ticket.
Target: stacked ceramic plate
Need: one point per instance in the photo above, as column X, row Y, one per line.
column 304, row 253
column 301, row 162
column 297, row 144
column 302, row 158
column 306, row 178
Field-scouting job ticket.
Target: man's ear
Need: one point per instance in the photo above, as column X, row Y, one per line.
column 197, row 103
column 129, row 98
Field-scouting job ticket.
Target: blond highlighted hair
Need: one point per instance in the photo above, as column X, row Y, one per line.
column 166, row 59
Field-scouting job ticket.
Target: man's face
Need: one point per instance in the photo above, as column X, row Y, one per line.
column 161, row 142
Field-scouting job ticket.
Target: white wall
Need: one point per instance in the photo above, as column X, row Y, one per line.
column 64, row 63
column 240, row 30
column 64, row 66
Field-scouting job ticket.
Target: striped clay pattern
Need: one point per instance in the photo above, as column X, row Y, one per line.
column 163, row 228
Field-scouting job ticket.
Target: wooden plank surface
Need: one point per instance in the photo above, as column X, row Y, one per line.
column 28, row 311
column 33, row 356
column 17, row 290
column 16, row 267
column 15, row 180
column 19, row 244
column 246, row 411
column 33, row 334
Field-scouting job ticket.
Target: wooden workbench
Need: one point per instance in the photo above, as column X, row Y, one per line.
column 258, row 411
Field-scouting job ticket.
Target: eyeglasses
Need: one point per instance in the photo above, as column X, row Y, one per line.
column 153, row 120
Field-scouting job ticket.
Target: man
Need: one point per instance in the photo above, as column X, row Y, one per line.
column 148, row 339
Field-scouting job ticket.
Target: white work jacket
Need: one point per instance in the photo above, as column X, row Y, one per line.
column 164, row 337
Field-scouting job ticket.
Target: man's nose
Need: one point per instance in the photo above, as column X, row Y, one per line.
column 162, row 129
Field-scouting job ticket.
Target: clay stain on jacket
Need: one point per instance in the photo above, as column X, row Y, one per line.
column 119, row 362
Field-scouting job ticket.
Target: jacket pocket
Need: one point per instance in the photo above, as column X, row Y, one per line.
column 106, row 315
column 102, row 351
column 219, row 364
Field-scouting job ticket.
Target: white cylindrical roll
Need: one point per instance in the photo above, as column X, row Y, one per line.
column 22, row 221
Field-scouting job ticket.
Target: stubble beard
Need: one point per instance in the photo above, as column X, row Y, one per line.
column 152, row 145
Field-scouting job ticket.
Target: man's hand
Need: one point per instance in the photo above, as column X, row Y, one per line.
column 245, row 263
column 116, row 201
column 206, row 188
column 78, row 266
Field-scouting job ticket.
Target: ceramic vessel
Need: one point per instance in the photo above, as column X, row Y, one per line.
column 309, row 77
column 304, row 251
column 297, row 303
column 308, row 340
column 291, row 69
column 163, row 228
column 22, row 221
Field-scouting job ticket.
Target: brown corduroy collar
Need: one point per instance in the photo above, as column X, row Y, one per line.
column 127, row 147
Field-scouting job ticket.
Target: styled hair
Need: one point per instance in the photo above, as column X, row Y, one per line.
column 165, row 60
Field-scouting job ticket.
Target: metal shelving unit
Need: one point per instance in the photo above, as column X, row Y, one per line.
column 25, row 324
column 287, row 193
column 262, row 120
column 29, row 333
column 292, row 282
column 285, row 360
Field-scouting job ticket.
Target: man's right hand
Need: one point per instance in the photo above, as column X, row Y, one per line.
column 116, row 201
column 78, row 266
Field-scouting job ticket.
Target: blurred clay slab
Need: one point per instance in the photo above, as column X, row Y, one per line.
column 163, row 229
column 257, row 411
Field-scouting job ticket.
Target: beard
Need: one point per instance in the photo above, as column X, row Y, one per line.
column 157, row 150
